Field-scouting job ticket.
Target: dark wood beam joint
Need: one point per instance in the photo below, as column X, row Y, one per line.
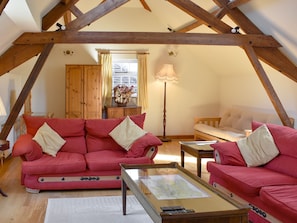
column 56, row 13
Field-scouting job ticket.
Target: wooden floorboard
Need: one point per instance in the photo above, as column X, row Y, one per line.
column 23, row 207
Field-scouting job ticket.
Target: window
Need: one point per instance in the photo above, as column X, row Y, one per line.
column 124, row 72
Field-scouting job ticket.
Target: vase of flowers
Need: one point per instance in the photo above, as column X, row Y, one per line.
column 122, row 94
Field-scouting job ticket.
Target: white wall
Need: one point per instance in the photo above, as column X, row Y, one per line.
column 199, row 92
column 195, row 94
column 247, row 90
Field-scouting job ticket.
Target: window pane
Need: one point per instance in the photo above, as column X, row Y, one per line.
column 124, row 72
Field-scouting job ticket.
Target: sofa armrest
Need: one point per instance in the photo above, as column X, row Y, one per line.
column 228, row 153
column 151, row 152
column 141, row 147
column 211, row 121
column 27, row 148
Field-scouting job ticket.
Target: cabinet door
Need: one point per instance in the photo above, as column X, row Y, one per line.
column 115, row 112
column 92, row 91
column 74, row 91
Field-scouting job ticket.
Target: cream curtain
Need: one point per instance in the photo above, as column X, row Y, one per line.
column 142, row 99
column 106, row 72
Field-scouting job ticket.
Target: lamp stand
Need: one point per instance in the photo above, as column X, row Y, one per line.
column 164, row 139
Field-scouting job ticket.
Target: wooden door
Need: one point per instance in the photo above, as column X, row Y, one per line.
column 74, row 91
column 92, row 92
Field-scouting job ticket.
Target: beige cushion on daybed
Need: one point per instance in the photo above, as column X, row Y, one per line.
column 232, row 125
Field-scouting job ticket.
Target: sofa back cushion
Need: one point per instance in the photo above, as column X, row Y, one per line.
column 285, row 139
column 98, row 130
column 71, row 130
column 241, row 118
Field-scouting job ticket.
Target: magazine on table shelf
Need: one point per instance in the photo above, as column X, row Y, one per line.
column 198, row 142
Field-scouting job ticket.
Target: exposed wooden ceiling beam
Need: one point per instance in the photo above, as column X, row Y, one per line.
column 146, row 38
column 17, row 55
column 218, row 13
column 268, row 86
column 25, row 91
column 95, row 13
column 145, row 5
column 76, row 11
column 272, row 56
column 3, row 3
column 201, row 14
column 67, row 17
column 56, row 13
column 236, row 3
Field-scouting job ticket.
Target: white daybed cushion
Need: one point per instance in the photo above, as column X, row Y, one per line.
column 222, row 133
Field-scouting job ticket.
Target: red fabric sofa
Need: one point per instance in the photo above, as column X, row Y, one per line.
column 90, row 158
column 270, row 189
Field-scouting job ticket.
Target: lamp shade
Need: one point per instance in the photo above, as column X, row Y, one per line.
column 2, row 108
column 167, row 73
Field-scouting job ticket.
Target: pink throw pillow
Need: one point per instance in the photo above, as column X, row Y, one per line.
column 228, row 153
column 27, row 148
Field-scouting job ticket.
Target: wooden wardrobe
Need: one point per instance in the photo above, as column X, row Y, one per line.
column 83, row 91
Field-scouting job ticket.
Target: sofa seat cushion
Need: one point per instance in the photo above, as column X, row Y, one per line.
column 226, row 133
column 64, row 162
column 111, row 160
column 249, row 180
column 282, row 199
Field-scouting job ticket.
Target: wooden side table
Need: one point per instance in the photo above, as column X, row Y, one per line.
column 4, row 145
column 198, row 149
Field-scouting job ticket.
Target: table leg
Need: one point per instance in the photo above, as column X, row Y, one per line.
column 182, row 158
column 124, row 196
column 199, row 166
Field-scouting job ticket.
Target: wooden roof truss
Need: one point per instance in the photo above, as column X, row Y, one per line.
column 254, row 42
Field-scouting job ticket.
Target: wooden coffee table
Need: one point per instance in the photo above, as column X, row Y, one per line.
column 198, row 149
column 171, row 194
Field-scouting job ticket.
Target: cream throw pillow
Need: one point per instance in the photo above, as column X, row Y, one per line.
column 258, row 148
column 49, row 140
column 126, row 133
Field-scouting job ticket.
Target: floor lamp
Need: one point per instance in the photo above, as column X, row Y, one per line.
column 166, row 74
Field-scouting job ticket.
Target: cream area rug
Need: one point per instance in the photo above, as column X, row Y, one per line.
column 105, row 209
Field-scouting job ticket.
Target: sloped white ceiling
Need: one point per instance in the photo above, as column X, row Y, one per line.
column 273, row 17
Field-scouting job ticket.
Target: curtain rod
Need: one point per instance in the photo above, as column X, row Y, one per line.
column 123, row 51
